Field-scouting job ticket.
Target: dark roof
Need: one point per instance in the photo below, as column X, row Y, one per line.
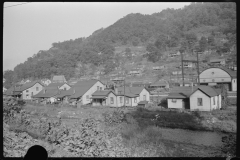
column 143, row 102
column 211, row 92
column 82, row 87
column 177, row 95
column 49, row 93
column 184, row 92
column 28, row 85
column 131, row 90
column 56, row 85
column 102, row 93
column 64, row 93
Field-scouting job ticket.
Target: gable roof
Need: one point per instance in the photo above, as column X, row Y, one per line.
column 56, row 85
column 22, row 87
column 101, row 94
column 49, row 93
column 207, row 90
column 185, row 92
column 82, row 87
column 64, row 93
column 177, row 95
column 29, row 85
column 131, row 90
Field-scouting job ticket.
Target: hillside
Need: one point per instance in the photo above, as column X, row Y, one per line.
column 141, row 38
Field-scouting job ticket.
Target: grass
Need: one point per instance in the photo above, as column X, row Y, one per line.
column 170, row 119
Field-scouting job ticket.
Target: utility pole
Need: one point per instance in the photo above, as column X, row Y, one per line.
column 198, row 69
column 124, row 92
column 182, row 68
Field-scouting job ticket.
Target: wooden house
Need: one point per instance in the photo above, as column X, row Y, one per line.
column 84, row 91
column 202, row 98
column 217, row 62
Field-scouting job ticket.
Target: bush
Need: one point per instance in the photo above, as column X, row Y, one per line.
column 114, row 117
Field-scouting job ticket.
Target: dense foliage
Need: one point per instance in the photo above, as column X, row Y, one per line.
column 200, row 25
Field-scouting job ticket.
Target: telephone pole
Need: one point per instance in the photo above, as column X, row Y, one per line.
column 198, row 69
column 182, row 68
column 124, row 92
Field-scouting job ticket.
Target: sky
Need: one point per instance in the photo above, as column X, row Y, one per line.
column 31, row 27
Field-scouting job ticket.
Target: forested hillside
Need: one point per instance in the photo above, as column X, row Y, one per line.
column 197, row 26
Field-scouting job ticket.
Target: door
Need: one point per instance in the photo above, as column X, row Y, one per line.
column 183, row 104
column 186, row 103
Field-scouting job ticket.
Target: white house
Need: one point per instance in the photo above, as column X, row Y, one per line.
column 104, row 98
column 84, row 91
column 202, row 98
column 28, row 90
column 205, row 99
column 218, row 61
column 133, row 95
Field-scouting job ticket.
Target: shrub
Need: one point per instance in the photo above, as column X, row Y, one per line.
column 114, row 117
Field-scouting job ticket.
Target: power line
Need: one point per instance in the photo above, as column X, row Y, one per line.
column 16, row 5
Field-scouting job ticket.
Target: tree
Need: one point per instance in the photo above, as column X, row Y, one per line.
column 109, row 67
column 128, row 53
column 203, row 44
column 161, row 42
column 153, row 53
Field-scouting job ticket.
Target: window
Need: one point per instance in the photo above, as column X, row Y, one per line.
column 36, row 88
column 100, row 88
column 121, row 99
column 174, row 100
column 199, row 101
column 135, row 100
column 213, row 80
column 127, row 100
column 26, row 95
column 65, row 88
column 32, row 94
column 222, row 79
column 214, row 100
column 144, row 97
column 119, row 92
column 111, row 99
column 27, row 91
column 97, row 87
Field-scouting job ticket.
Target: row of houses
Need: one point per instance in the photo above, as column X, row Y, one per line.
column 83, row 92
